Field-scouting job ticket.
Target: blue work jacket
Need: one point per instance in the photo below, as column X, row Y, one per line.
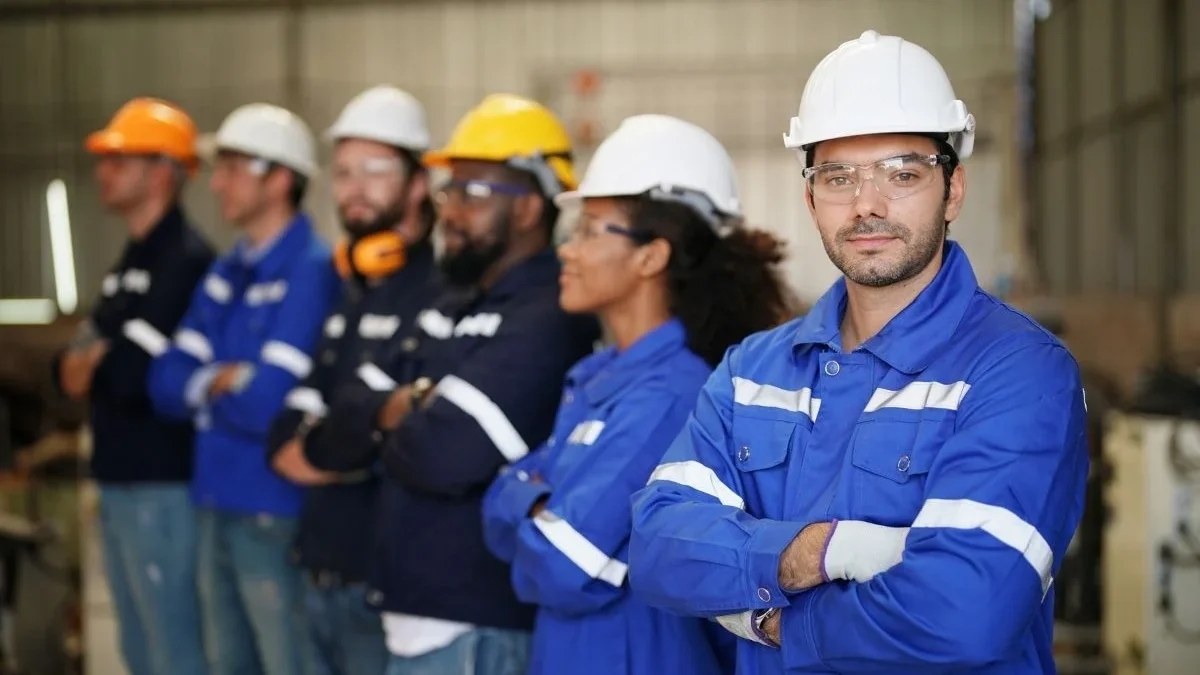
column 962, row 418
column 618, row 414
column 266, row 313
column 498, row 357
column 143, row 298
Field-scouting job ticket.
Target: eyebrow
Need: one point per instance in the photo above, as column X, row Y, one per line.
column 909, row 153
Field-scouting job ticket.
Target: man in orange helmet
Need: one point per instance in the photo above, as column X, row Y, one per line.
column 142, row 462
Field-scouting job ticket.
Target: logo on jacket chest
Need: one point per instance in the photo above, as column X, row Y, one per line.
column 437, row 325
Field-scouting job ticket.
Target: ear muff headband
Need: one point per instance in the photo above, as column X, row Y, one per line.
column 374, row 256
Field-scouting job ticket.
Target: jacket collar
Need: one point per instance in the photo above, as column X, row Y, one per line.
column 540, row 269
column 604, row 374
column 915, row 336
column 167, row 228
column 275, row 255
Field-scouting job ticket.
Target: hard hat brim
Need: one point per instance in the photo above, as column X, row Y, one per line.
column 109, row 142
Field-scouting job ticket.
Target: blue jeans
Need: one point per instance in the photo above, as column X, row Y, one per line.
column 252, row 595
column 149, row 539
column 347, row 634
column 483, row 651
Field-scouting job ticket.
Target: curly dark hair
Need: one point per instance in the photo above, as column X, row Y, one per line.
column 722, row 288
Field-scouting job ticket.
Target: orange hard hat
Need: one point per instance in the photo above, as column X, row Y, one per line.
column 148, row 126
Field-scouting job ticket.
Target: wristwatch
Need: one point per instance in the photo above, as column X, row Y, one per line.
column 758, row 619
column 420, row 389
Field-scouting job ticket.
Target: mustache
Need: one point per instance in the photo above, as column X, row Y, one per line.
column 873, row 226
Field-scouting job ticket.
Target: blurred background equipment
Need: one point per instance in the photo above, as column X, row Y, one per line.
column 1152, row 545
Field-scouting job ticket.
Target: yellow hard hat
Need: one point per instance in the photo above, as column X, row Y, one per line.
column 516, row 131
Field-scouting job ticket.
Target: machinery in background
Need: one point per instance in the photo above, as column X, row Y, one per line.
column 1152, row 542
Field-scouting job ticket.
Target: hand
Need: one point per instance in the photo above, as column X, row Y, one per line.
column 397, row 407
column 225, row 380
column 78, row 366
column 800, row 563
column 771, row 627
column 538, row 506
column 291, row 463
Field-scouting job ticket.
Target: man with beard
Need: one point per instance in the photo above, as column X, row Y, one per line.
column 387, row 266
column 141, row 461
column 481, row 373
column 889, row 483
column 243, row 345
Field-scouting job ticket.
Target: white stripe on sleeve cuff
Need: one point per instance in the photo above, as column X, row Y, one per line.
column 486, row 413
column 1004, row 525
column 286, row 356
column 576, row 547
column 374, row 377
column 306, row 400
column 142, row 334
column 695, row 475
column 191, row 342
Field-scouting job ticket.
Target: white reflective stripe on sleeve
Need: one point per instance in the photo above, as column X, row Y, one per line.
column 193, row 343
column 747, row 392
column 919, row 396
column 306, row 399
column 1008, row 527
column 698, row 477
column 142, row 334
column 576, row 547
column 285, row 356
column 485, row 411
column 376, row 379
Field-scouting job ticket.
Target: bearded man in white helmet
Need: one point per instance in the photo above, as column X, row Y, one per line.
column 245, row 342
column 886, row 485
column 387, row 265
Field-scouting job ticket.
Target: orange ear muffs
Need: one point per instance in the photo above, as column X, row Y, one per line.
column 373, row 256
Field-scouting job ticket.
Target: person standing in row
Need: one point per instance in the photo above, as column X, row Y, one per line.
column 661, row 256
column 244, row 344
column 478, row 384
column 388, row 272
column 141, row 461
column 889, row 483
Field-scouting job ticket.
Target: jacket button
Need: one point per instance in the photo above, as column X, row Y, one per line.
column 409, row 344
column 744, row 453
column 764, row 595
column 903, row 463
column 832, row 368
column 374, row 598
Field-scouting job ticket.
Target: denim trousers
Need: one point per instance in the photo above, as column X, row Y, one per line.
column 148, row 533
column 347, row 634
column 252, row 595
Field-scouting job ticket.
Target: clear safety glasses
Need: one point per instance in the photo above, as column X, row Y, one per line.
column 584, row 230
column 894, row 177
column 470, row 193
column 368, row 170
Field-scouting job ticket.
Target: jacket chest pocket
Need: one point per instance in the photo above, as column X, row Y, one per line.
column 760, row 452
column 889, row 463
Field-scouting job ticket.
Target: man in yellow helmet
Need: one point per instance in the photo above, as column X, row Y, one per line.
column 142, row 461
column 476, row 386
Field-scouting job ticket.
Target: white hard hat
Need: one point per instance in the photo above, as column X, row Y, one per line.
column 667, row 157
column 880, row 84
column 271, row 133
column 384, row 114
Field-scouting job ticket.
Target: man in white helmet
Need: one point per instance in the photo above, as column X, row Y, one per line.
column 389, row 275
column 244, row 344
column 887, row 484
